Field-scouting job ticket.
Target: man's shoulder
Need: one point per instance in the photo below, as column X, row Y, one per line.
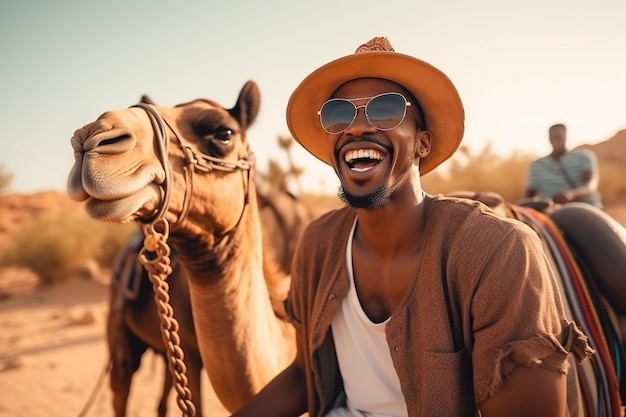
column 472, row 218
column 544, row 160
column 580, row 154
column 471, row 236
column 463, row 207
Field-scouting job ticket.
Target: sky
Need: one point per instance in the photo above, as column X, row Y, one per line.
column 519, row 66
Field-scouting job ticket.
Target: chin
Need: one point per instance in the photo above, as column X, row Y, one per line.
column 377, row 198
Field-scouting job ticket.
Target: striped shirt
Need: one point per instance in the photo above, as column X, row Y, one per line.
column 547, row 177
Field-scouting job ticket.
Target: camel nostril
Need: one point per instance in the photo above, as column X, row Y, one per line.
column 113, row 141
column 110, row 142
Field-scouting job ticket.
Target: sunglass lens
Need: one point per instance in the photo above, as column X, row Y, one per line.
column 337, row 115
column 386, row 111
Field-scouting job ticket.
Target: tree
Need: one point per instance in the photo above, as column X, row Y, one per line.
column 5, row 179
column 279, row 176
column 276, row 175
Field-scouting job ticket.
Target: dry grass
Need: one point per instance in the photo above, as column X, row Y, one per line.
column 482, row 171
column 52, row 247
column 612, row 183
column 487, row 171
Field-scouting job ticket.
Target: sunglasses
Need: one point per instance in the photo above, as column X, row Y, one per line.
column 384, row 112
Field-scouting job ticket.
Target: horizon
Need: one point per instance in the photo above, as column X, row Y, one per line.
column 519, row 68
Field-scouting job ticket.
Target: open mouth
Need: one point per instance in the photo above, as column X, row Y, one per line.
column 361, row 160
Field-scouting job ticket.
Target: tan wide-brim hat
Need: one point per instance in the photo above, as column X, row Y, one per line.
column 439, row 99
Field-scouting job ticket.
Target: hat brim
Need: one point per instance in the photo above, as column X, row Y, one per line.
column 435, row 92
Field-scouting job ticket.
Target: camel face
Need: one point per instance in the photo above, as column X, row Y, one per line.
column 116, row 169
column 127, row 166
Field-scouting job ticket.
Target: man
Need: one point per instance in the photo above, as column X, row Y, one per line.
column 407, row 304
column 564, row 176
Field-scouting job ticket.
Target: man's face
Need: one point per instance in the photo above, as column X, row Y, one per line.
column 557, row 139
column 371, row 163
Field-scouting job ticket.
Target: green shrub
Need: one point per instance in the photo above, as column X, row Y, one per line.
column 53, row 247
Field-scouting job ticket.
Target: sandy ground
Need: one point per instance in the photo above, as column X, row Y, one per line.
column 53, row 352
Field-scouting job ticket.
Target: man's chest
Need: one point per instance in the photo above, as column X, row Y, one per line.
column 382, row 286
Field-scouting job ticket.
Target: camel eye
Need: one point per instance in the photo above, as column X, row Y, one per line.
column 223, row 134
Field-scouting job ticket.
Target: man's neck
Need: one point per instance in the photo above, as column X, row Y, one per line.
column 394, row 228
column 556, row 155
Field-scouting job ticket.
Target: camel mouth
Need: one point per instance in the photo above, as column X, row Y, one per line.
column 139, row 205
column 130, row 192
column 103, row 188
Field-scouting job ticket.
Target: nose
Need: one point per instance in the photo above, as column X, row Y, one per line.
column 111, row 142
column 102, row 138
column 360, row 125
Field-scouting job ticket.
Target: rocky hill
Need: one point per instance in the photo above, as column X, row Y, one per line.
column 611, row 151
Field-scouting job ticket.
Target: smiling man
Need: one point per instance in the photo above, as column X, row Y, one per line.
column 407, row 304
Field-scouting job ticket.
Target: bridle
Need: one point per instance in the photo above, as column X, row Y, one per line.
column 192, row 161
column 155, row 254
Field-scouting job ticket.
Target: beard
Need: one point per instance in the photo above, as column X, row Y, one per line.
column 377, row 198
column 380, row 196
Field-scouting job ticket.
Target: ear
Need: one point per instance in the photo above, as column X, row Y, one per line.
column 146, row 99
column 422, row 144
column 248, row 103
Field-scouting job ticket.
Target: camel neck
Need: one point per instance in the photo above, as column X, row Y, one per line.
column 242, row 342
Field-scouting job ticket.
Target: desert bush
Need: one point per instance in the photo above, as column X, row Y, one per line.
column 481, row 171
column 506, row 175
column 53, row 247
column 5, row 179
column 612, row 184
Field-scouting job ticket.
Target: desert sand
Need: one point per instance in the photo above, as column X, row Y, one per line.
column 53, row 353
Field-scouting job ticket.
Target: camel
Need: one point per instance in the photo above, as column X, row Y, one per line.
column 133, row 326
column 198, row 189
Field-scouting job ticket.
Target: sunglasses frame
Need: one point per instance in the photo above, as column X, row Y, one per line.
column 407, row 103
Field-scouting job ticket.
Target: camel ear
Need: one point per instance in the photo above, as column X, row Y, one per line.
column 145, row 99
column 248, row 103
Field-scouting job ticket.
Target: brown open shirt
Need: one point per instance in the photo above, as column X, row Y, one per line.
column 505, row 307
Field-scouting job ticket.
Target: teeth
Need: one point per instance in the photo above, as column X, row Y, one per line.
column 361, row 154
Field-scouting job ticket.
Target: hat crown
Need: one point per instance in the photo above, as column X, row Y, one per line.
column 377, row 44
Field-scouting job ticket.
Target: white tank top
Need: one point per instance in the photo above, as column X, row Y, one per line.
column 370, row 380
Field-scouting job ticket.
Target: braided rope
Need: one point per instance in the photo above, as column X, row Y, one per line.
column 158, row 264
column 159, row 268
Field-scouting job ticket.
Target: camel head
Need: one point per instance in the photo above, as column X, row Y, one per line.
column 188, row 164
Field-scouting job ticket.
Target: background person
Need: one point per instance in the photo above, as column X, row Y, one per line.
column 564, row 176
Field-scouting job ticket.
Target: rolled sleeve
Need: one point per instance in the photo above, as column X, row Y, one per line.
column 517, row 316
